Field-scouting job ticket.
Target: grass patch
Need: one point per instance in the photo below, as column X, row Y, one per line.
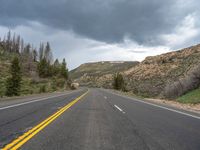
column 190, row 97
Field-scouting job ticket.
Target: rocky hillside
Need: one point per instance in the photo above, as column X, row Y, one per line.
column 152, row 75
column 99, row 74
column 148, row 78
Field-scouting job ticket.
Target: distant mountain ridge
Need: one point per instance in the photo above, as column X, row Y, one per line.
column 98, row 74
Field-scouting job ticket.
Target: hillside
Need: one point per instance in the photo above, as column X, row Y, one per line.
column 31, row 82
column 38, row 72
column 150, row 78
column 99, row 74
column 152, row 75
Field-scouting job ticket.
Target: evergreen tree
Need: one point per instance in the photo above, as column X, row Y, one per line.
column 56, row 63
column 43, row 68
column 64, row 70
column 48, row 53
column 56, row 67
column 8, row 42
column 119, row 83
column 18, row 40
column 22, row 46
column 35, row 54
column 13, row 44
column 41, row 52
column 27, row 49
column 13, row 84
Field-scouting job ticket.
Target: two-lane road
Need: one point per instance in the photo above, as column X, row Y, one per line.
column 18, row 116
column 99, row 120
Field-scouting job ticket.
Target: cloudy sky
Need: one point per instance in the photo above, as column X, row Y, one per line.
column 94, row 30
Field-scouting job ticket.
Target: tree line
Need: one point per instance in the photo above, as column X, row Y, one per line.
column 28, row 59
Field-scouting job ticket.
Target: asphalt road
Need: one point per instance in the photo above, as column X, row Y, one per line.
column 101, row 120
column 18, row 116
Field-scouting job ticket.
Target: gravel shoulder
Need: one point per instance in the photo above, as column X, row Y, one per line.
column 189, row 107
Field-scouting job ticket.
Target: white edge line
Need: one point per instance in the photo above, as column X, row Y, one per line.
column 33, row 101
column 118, row 108
column 155, row 105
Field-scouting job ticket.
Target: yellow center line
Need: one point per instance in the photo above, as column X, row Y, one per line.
column 17, row 143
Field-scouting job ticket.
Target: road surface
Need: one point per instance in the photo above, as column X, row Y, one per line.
column 98, row 120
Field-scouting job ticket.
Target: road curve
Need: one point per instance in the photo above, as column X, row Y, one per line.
column 102, row 120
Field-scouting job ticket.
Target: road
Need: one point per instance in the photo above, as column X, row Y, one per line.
column 98, row 120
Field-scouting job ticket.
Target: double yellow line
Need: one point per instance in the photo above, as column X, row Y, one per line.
column 17, row 143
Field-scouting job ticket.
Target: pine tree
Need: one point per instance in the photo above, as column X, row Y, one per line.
column 43, row 68
column 56, row 67
column 18, row 44
column 119, row 83
column 21, row 46
column 41, row 52
column 13, row 44
column 64, row 70
column 35, row 55
column 8, row 42
column 13, row 84
column 48, row 53
column 27, row 49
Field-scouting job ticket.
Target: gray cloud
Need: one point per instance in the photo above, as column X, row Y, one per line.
column 108, row 21
column 97, row 30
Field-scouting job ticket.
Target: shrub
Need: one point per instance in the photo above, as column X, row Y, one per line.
column 42, row 89
column 53, row 84
column 60, row 83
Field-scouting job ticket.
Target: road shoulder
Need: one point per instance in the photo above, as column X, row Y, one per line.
column 28, row 98
column 191, row 108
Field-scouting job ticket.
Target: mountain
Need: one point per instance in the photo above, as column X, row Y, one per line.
column 153, row 77
column 99, row 74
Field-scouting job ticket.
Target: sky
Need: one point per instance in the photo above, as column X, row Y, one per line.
column 101, row 30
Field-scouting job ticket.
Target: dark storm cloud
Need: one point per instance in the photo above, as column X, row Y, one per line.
column 103, row 20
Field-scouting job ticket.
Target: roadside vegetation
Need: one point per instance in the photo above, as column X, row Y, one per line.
column 118, row 82
column 27, row 70
column 190, row 97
